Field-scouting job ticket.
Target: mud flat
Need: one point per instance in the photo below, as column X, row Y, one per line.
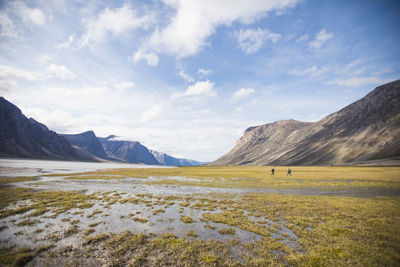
column 202, row 216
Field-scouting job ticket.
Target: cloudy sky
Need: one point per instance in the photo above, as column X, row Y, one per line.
column 188, row 77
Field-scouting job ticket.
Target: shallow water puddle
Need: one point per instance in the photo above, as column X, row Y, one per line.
column 113, row 213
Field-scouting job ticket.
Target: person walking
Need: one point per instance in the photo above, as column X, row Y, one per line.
column 289, row 172
column 273, row 172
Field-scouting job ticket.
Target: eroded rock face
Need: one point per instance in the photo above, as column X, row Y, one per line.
column 27, row 138
column 165, row 159
column 127, row 151
column 367, row 129
column 88, row 142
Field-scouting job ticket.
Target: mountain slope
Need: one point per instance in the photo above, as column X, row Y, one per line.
column 87, row 141
column 165, row 159
column 127, row 151
column 367, row 129
column 27, row 138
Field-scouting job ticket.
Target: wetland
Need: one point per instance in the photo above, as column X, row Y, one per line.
column 202, row 216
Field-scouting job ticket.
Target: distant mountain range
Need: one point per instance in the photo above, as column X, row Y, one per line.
column 27, row 138
column 166, row 159
column 21, row 137
column 367, row 130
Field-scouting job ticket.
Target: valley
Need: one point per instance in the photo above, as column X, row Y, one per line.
column 200, row 215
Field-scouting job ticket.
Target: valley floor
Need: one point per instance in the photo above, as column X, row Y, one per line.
column 203, row 216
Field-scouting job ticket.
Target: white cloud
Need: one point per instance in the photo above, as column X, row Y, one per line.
column 115, row 22
column 353, row 64
column 60, row 71
column 359, row 81
column 88, row 95
column 151, row 58
column 68, row 43
column 383, row 71
column 238, row 110
column 27, row 14
column 194, row 21
column 313, row 71
column 199, row 89
column 243, row 92
column 303, row 72
column 252, row 40
column 151, row 113
column 320, row 39
column 7, row 26
column 15, row 73
column 125, row 85
column 302, row 38
column 186, row 76
column 45, row 58
column 9, row 77
column 203, row 72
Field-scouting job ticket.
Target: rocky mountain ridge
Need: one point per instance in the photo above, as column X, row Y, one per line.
column 21, row 137
column 127, row 151
column 365, row 130
column 166, row 159
column 27, row 138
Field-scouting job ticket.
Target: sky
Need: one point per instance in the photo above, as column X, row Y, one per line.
column 187, row 77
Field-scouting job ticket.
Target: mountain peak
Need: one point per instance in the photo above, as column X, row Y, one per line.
column 280, row 123
column 89, row 133
column 28, row 138
column 364, row 130
column 111, row 136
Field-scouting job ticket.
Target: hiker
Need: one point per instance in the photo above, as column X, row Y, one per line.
column 272, row 171
column 289, row 172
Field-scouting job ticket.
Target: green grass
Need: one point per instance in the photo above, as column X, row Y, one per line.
column 226, row 231
column 186, row 219
column 259, row 176
column 157, row 211
column 94, row 177
column 6, row 180
column 95, row 239
column 139, row 219
column 89, row 231
column 42, row 201
column 95, row 212
column 329, row 230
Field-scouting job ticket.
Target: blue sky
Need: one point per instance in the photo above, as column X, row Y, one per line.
column 188, row 77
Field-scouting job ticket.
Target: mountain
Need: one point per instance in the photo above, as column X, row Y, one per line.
column 27, row 138
column 88, row 142
column 165, row 159
column 127, row 151
column 366, row 130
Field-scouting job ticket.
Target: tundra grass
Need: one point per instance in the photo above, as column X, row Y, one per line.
column 329, row 231
column 259, row 172
column 41, row 202
column 94, row 177
column 335, row 178
column 294, row 230
column 6, row 180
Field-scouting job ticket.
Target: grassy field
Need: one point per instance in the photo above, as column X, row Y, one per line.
column 260, row 177
column 292, row 229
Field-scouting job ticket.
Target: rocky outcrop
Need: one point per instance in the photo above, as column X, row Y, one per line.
column 127, row 151
column 365, row 130
column 165, row 159
column 27, row 138
column 87, row 141
column 21, row 137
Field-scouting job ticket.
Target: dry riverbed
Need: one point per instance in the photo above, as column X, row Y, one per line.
column 203, row 216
